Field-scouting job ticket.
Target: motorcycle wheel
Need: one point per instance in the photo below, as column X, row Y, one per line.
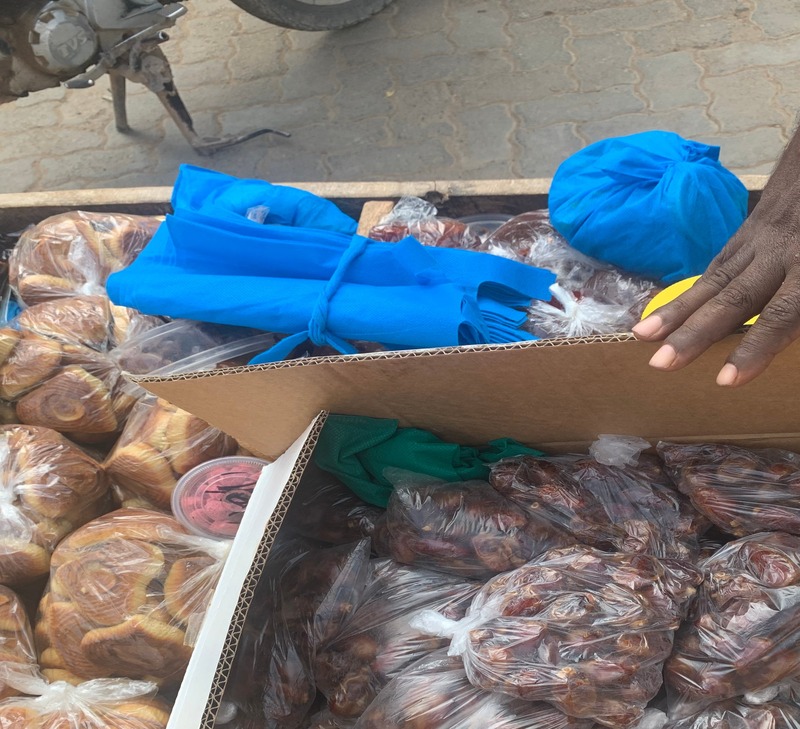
column 313, row 14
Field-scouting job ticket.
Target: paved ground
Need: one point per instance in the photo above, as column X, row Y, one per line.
column 433, row 89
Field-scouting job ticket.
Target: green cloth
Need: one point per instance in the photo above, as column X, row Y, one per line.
column 358, row 451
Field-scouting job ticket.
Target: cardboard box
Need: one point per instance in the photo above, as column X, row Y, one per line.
column 556, row 394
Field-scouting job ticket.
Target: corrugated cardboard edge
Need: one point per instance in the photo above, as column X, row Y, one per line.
column 394, row 355
column 212, row 659
column 254, row 574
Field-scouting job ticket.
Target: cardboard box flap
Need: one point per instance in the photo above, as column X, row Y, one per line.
column 541, row 393
column 203, row 686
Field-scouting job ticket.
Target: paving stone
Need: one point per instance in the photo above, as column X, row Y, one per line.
column 713, row 8
column 603, row 61
column 580, row 107
column 367, row 96
column 545, row 148
column 425, row 160
column 671, row 80
column 526, row 9
column 259, row 54
column 691, row 122
column 479, row 27
column 332, row 138
column 16, row 119
column 539, row 43
column 788, row 80
column 106, row 165
column 417, row 17
column 713, row 33
column 455, row 65
column 615, row 20
column 287, row 117
column 482, row 136
column 777, row 18
column 418, row 113
column 16, row 177
column 547, row 82
column 757, row 147
column 755, row 86
column 390, row 50
column 746, row 54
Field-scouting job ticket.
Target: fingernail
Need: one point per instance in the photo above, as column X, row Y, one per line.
column 664, row 357
column 727, row 375
column 648, row 327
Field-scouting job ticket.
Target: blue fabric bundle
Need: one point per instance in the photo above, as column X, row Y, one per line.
column 305, row 273
column 654, row 204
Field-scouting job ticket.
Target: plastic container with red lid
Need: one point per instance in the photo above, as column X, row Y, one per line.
column 210, row 500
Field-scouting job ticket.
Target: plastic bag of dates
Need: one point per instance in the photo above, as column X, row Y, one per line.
column 379, row 641
column 328, row 511
column 305, row 597
column 739, row 490
column 159, row 444
column 737, row 715
column 126, row 598
column 49, row 488
column 625, row 508
column 744, row 628
column 465, row 529
column 435, row 693
column 74, row 253
column 581, row 629
column 417, row 218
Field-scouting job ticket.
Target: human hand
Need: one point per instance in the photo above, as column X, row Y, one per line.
column 758, row 272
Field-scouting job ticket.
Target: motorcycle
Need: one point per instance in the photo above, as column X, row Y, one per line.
column 46, row 43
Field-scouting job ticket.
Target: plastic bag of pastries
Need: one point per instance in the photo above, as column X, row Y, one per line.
column 67, row 387
column 74, row 253
column 464, row 528
column 741, row 491
column 626, row 508
column 744, row 628
column 435, row 693
column 584, row 630
column 326, row 510
column 417, row 218
column 126, row 597
column 16, row 640
column 49, row 489
column 304, row 597
column 97, row 704
column 379, row 641
column 159, row 444
column 91, row 321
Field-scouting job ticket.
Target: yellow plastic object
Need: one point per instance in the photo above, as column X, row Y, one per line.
column 673, row 292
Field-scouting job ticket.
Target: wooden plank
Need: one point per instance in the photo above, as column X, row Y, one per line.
column 372, row 213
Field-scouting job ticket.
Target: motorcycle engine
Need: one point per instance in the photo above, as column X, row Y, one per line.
column 45, row 42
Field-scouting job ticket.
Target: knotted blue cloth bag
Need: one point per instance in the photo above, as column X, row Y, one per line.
column 654, row 204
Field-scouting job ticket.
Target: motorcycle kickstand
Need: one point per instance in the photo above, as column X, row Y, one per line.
column 154, row 72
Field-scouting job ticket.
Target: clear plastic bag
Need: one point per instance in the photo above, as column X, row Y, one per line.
column 304, row 598
column 379, row 641
column 189, row 346
column 739, row 490
column 417, row 218
column 98, row 704
column 589, row 296
column 67, row 387
column 619, row 508
column 161, row 443
column 74, row 253
column 581, row 629
column 326, row 510
column 49, row 489
column 16, row 641
column 465, row 529
column 737, row 715
column 435, row 693
column 744, row 628
column 126, row 597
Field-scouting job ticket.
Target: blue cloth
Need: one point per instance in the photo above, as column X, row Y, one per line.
column 654, row 204
column 304, row 273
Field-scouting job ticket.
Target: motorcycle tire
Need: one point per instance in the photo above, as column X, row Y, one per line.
column 305, row 15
